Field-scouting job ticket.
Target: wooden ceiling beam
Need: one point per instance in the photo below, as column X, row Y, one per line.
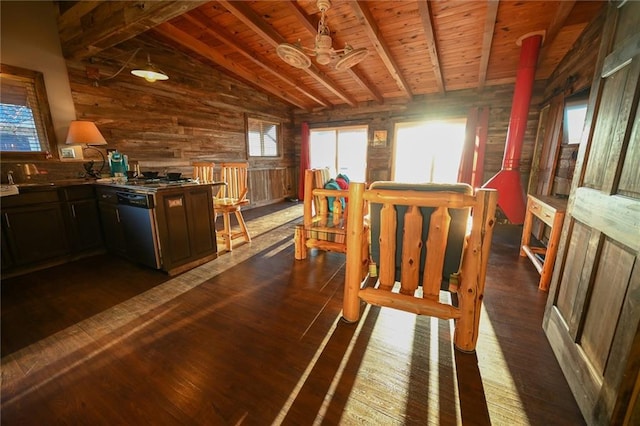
column 425, row 16
column 364, row 16
column 189, row 42
column 89, row 27
column 487, row 40
column 362, row 81
column 246, row 15
column 302, row 16
column 357, row 76
column 245, row 51
column 556, row 24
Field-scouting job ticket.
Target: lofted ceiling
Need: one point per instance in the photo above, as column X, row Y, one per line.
column 415, row 47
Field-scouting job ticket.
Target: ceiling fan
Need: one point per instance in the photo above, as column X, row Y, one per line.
column 297, row 55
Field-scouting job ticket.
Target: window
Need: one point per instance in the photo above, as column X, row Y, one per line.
column 575, row 112
column 428, row 151
column 263, row 138
column 343, row 150
column 25, row 121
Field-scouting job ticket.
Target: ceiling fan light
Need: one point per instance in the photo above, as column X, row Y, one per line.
column 323, row 58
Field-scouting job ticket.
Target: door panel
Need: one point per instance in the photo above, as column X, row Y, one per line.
column 574, row 265
column 605, row 305
column 630, row 178
column 592, row 318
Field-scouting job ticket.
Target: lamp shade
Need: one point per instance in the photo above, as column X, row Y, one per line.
column 84, row 132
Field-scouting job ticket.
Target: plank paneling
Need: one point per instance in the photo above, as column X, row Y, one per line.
column 198, row 114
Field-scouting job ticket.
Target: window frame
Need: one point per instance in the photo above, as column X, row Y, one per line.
column 49, row 145
column 279, row 136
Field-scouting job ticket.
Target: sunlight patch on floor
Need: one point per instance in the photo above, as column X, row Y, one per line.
column 20, row 370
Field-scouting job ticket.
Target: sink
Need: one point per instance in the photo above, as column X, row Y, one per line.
column 6, row 190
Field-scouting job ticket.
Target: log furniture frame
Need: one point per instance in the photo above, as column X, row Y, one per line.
column 550, row 210
column 321, row 228
column 469, row 282
column 231, row 198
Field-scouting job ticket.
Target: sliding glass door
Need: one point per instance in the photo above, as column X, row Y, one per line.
column 428, row 151
column 343, row 150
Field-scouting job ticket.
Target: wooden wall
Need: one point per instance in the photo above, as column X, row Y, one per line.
column 574, row 74
column 452, row 105
column 198, row 114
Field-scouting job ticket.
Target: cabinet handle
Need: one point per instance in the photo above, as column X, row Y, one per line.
column 6, row 217
column 73, row 211
column 118, row 215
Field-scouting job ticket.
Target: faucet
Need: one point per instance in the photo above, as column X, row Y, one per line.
column 10, row 177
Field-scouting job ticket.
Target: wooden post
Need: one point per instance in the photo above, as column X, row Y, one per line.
column 472, row 275
column 355, row 234
column 411, row 249
column 299, row 243
column 387, row 261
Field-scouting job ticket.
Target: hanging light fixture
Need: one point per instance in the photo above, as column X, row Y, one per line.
column 298, row 56
column 149, row 72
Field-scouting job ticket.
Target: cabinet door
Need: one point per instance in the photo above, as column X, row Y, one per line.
column 185, row 224
column 85, row 225
column 112, row 229
column 202, row 230
column 35, row 233
column 5, row 254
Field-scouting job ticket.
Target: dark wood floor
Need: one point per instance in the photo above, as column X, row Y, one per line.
column 255, row 338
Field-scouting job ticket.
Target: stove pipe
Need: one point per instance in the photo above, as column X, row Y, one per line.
column 507, row 181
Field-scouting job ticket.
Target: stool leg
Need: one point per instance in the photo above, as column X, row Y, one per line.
column 227, row 230
column 243, row 226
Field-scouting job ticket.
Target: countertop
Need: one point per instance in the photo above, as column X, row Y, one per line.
column 148, row 187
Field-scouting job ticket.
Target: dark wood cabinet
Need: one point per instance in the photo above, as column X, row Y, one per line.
column 45, row 226
column 35, row 233
column 83, row 218
column 186, row 227
column 112, row 229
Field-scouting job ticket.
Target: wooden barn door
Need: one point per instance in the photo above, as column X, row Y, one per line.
column 592, row 316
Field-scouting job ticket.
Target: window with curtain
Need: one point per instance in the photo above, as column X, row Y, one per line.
column 22, row 126
column 263, row 138
column 341, row 149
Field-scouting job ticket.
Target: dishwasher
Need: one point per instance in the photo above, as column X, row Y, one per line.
column 138, row 219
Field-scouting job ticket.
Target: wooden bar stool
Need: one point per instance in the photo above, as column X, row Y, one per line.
column 203, row 171
column 230, row 199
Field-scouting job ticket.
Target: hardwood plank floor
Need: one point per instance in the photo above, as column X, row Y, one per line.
column 255, row 337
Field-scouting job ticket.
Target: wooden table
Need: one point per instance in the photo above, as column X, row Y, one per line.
column 551, row 211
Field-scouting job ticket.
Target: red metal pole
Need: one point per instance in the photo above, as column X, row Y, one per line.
column 521, row 100
column 508, row 181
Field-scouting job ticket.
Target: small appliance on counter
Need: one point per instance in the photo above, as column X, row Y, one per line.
column 118, row 163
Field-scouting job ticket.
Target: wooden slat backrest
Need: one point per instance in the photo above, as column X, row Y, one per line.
column 236, row 176
column 203, row 171
column 472, row 268
column 455, row 236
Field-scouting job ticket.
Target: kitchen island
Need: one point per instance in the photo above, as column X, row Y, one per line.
column 167, row 225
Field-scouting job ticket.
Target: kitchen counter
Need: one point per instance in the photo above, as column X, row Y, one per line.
column 152, row 185
column 7, row 190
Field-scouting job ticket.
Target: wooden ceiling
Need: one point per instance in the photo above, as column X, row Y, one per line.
column 415, row 47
